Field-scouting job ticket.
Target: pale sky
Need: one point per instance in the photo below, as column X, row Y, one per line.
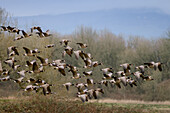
column 155, row 27
column 38, row 7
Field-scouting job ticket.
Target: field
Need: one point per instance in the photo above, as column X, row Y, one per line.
column 41, row 104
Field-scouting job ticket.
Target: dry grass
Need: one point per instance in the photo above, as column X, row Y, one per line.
column 54, row 104
column 131, row 101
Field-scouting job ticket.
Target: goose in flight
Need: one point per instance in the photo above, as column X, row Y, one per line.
column 44, row 62
column 37, row 28
column 81, row 45
column 28, row 52
column 83, row 97
column 126, row 67
column 65, row 41
column 46, row 88
column 142, row 68
column 106, row 70
column 25, row 34
column 67, row 85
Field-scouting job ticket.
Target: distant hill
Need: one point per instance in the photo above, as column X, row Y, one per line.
column 142, row 22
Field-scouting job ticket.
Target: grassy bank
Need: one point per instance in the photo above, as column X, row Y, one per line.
column 40, row 104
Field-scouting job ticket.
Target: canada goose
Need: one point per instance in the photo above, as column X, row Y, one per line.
column 30, row 64
column 78, row 53
column 9, row 49
column 10, row 28
column 25, row 34
column 12, row 49
column 83, row 97
column 37, row 82
column 31, row 80
column 106, row 70
column 31, row 88
column 6, row 72
column 46, row 88
column 28, row 88
column 105, row 82
column 15, row 50
column 58, row 62
column 16, row 31
column 52, row 64
column 22, row 73
column 19, row 80
column 44, row 62
column 88, row 55
column 90, row 82
column 126, row 67
column 150, row 64
column 10, row 62
column 50, row 46
column 158, row 65
column 117, row 81
column 141, row 68
column 131, row 82
column 108, row 76
column 88, row 63
column 73, row 69
column 112, row 82
column 38, row 28
column 7, row 78
column 36, row 69
column 63, row 64
column 18, row 38
column 79, row 86
column 148, row 78
column 67, row 85
column 69, row 50
column 28, row 52
column 96, row 92
column 123, row 79
column 16, row 67
column 90, row 93
column 138, row 75
column 11, row 54
column 46, row 34
column 4, row 28
column 84, row 91
column 61, row 70
column 65, row 41
column 40, row 34
column 76, row 76
column 35, row 50
column 89, row 73
column 96, row 63
column 40, row 82
column 120, row 73
column 81, row 45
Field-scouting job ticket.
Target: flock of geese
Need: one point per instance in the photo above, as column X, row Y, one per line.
column 85, row 90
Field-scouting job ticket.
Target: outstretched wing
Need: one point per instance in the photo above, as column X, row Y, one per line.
column 48, row 89
column 88, row 81
column 27, row 50
column 62, row 71
column 41, row 59
column 160, row 67
column 35, row 66
column 15, row 50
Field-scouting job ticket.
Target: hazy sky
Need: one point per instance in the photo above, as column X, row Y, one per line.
column 38, row 7
column 135, row 14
